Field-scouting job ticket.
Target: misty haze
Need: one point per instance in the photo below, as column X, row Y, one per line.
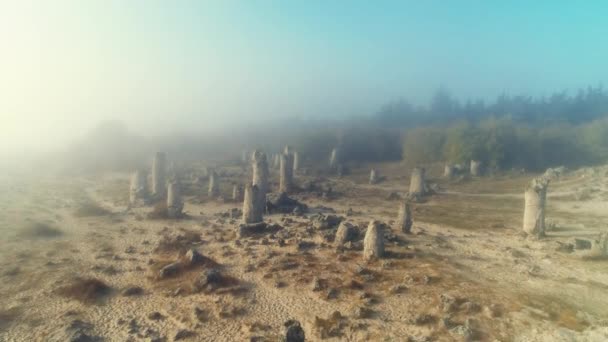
column 303, row 171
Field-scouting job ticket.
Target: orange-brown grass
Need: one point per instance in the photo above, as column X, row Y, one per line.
column 467, row 212
column 560, row 312
column 86, row 290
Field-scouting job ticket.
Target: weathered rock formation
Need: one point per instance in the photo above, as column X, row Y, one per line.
column 373, row 177
column 159, row 169
column 253, row 210
column 286, row 173
column 404, row 218
column 260, row 172
column 335, row 158
column 534, row 210
column 346, row 232
column 138, row 189
column 448, row 171
column 475, row 168
column 296, row 161
column 174, row 201
column 237, row 193
column 373, row 243
column 214, row 184
column 417, row 184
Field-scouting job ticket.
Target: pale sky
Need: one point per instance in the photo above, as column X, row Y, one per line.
column 164, row 66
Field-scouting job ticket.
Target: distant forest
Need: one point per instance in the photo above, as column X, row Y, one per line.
column 511, row 132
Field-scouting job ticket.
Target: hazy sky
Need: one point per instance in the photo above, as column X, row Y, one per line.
column 163, row 66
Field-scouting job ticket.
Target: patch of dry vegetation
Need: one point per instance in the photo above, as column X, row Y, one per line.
column 39, row 230
column 159, row 212
column 88, row 208
column 86, row 290
column 179, row 243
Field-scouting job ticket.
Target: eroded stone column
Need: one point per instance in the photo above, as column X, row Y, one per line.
column 253, row 210
column 534, row 210
column 417, row 187
column 404, row 217
column 296, row 161
column 260, row 172
column 138, row 189
column 448, row 171
column 159, row 169
column 214, row 184
column 373, row 177
column 373, row 243
column 174, row 200
column 286, row 173
column 237, row 193
column 334, row 159
column 475, row 168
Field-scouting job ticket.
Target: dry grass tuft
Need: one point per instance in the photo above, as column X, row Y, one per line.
column 86, row 290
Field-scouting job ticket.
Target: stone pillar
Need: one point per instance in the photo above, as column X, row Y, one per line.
column 253, row 210
column 475, row 168
column 138, row 189
column 448, row 171
column 174, row 201
column 159, row 169
column 214, row 184
column 260, row 172
column 286, row 173
column 404, row 218
column 296, row 161
column 534, row 210
column 287, row 150
column 373, row 243
column 334, row 159
column 373, row 177
column 346, row 232
column 417, row 186
column 237, row 193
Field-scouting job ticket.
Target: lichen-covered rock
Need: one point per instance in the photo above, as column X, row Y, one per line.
column 174, row 201
column 475, row 168
column 282, row 203
column 448, row 171
column 214, row 184
column 417, row 185
column 138, row 189
column 404, row 218
column 169, row 270
column 286, row 173
column 346, row 232
column 294, row 331
column 373, row 243
column 252, row 208
column 534, row 210
column 260, row 172
column 159, row 167
column 321, row 222
column 374, row 177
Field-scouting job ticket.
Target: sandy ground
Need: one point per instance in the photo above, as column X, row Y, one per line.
column 466, row 273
